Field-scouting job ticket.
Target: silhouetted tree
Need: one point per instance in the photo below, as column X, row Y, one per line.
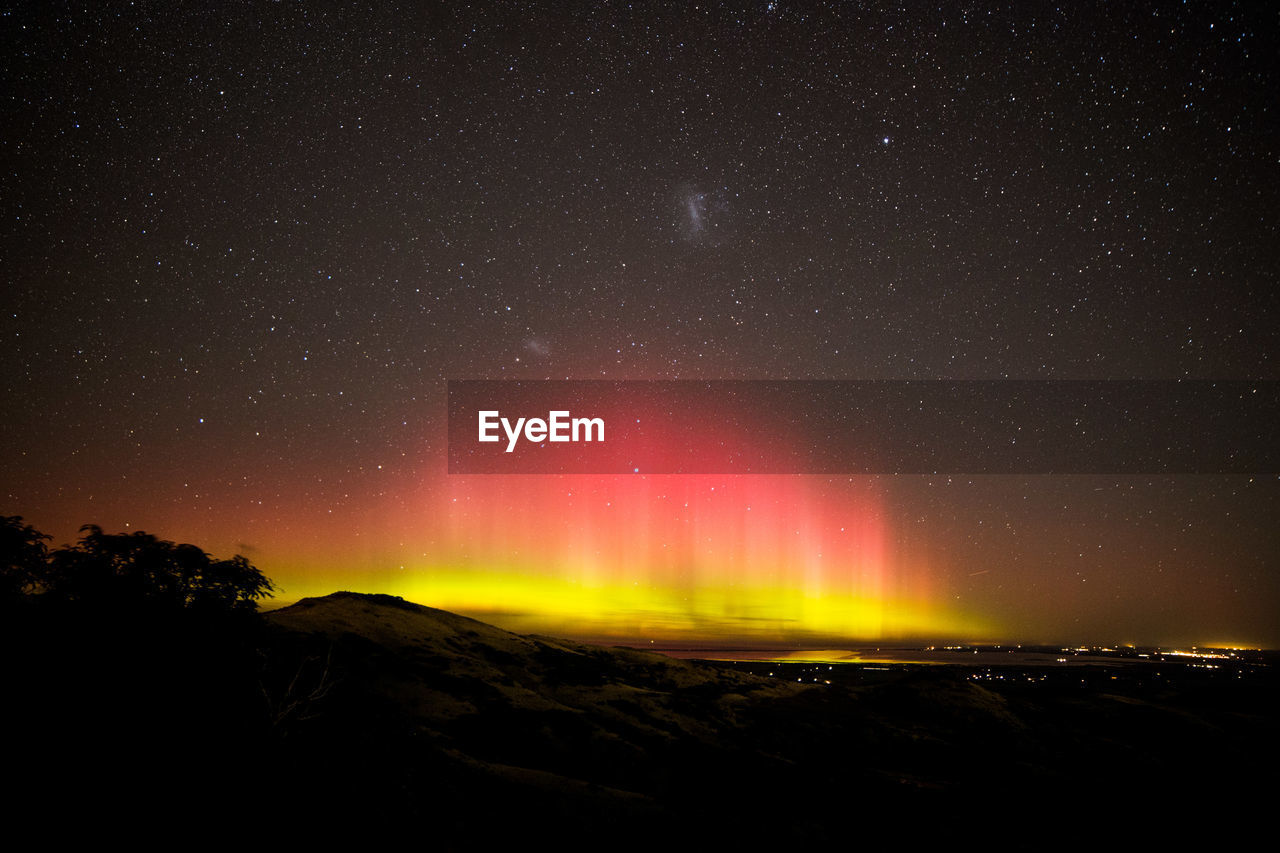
column 24, row 558
column 133, row 568
column 127, row 651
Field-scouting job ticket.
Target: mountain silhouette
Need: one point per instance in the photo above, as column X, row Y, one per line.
column 366, row 711
column 558, row 734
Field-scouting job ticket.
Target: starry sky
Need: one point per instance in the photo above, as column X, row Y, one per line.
column 245, row 245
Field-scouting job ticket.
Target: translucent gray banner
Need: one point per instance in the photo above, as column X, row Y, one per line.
column 863, row 427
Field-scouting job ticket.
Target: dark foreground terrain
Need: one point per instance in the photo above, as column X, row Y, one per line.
column 367, row 712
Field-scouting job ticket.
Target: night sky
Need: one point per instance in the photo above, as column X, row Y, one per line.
column 244, row 246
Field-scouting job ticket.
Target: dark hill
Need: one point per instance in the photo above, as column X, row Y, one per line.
column 579, row 732
column 563, row 734
column 366, row 711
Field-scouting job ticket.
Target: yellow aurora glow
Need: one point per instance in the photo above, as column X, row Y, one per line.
column 669, row 559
